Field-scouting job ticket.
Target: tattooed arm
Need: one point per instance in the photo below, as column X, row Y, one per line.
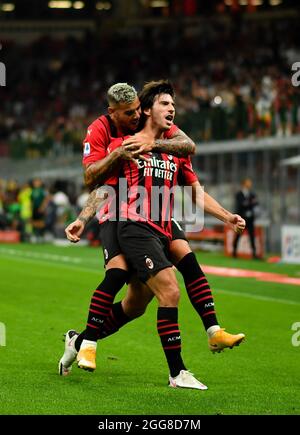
column 91, row 206
column 96, row 173
column 180, row 145
column 76, row 228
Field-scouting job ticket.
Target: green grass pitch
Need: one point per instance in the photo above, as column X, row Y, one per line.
column 45, row 290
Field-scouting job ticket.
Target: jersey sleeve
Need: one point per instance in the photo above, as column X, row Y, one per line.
column 113, row 179
column 187, row 174
column 95, row 144
column 170, row 133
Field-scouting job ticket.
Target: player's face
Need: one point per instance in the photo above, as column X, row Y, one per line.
column 127, row 116
column 163, row 111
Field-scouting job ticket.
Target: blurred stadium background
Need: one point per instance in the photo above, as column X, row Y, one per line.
column 231, row 64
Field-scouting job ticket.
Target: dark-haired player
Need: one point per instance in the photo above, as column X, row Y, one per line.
column 137, row 296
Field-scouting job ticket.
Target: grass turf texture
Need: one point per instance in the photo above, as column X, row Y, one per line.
column 46, row 290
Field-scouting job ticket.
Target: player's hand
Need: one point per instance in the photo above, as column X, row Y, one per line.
column 125, row 155
column 139, row 144
column 237, row 223
column 74, row 231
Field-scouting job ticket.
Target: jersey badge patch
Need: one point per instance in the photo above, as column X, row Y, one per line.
column 86, row 149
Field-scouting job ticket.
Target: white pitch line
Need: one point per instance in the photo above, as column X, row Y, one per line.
column 35, row 257
column 72, row 266
column 38, row 255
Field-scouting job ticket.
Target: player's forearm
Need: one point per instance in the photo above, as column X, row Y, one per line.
column 178, row 148
column 97, row 172
column 180, row 145
column 90, row 208
column 212, row 207
column 209, row 204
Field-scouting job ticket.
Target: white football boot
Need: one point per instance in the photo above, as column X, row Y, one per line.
column 185, row 379
column 69, row 356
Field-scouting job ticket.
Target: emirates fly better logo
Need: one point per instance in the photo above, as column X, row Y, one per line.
column 158, row 168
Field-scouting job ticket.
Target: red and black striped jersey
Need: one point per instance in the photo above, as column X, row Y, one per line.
column 100, row 134
column 147, row 195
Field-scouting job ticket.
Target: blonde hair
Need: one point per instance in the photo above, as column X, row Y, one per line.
column 121, row 93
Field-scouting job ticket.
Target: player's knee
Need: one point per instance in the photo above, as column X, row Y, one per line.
column 169, row 296
column 178, row 250
column 165, row 287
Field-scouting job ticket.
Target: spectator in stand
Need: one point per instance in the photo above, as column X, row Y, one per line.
column 50, row 215
column 246, row 203
column 63, row 207
column 11, row 206
column 24, row 199
column 257, row 97
column 38, row 196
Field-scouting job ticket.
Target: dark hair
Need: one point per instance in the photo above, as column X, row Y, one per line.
column 152, row 89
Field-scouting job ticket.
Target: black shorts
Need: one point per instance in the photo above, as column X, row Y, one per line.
column 177, row 231
column 145, row 249
column 109, row 240
column 110, row 243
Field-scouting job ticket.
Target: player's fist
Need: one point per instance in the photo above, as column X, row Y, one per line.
column 74, row 231
column 237, row 223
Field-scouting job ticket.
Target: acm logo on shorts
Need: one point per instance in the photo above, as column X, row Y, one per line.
column 149, row 263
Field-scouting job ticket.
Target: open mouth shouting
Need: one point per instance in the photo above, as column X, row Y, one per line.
column 169, row 118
